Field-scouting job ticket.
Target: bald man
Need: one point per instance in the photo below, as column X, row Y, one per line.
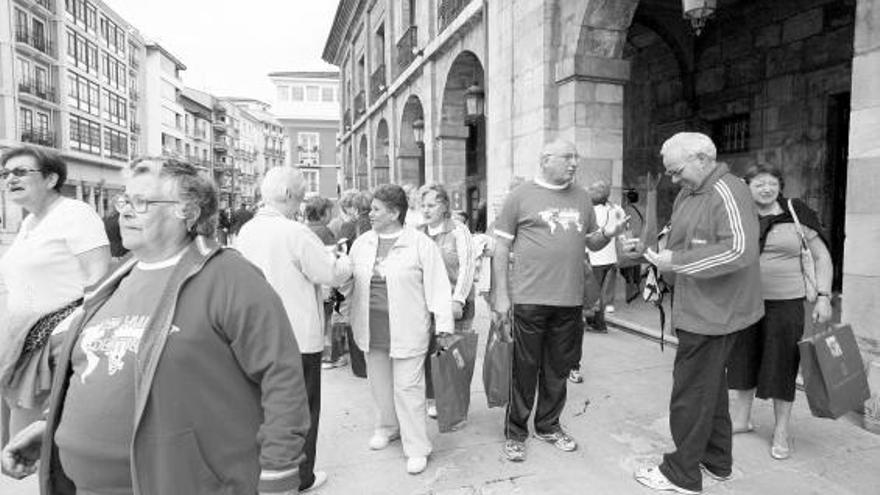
column 712, row 250
column 548, row 222
column 296, row 263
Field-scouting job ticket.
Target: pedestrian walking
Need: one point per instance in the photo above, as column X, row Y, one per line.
column 457, row 249
column 296, row 264
column 547, row 223
column 60, row 250
column 712, row 249
column 181, row 374
column 399, row 284
column 764, row 361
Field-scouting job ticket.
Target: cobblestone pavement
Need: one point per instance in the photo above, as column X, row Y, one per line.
column 619, row 416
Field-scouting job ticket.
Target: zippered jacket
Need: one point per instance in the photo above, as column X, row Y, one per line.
column 714, row 240
column 220, row 401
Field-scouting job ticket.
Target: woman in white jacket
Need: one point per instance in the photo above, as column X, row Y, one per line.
column 399, row 283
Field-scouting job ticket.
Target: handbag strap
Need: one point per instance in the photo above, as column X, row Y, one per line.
column 797, row 223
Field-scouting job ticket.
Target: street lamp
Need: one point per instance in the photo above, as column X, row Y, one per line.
column 698, row 12
column 474, row 101
column 418, row 127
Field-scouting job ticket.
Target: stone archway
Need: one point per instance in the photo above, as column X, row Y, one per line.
column 410, row 154
column 381, row 150
column 462, row 140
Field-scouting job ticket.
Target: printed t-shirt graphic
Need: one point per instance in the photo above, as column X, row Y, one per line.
column 94, row 434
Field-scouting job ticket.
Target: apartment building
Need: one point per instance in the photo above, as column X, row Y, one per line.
column 307, row 105
column 198, row 117
column 72, row 88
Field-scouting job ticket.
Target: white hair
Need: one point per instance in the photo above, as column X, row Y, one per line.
column 689, row 144
column 279, row 183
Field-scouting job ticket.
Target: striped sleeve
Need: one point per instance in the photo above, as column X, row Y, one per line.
column 733, row 237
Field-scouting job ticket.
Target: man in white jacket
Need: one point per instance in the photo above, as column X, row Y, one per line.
column 296, row 263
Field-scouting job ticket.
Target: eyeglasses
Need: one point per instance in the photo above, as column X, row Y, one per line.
column 137, row 203
column 565, row 156
column 675, row 173
column 17, row 171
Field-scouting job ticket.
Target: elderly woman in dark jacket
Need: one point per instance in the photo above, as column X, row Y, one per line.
column 140, row 402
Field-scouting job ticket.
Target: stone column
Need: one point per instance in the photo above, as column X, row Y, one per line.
column 861, row 268
column 591, row 116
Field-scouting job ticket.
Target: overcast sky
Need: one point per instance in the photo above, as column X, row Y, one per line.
column 229, row 46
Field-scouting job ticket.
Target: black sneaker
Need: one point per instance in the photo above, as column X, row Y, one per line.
column 515, row 451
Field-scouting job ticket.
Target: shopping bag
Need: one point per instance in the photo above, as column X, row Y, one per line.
column 452, row 368
column 497, row 365
column 834, row 375
column 358, row 361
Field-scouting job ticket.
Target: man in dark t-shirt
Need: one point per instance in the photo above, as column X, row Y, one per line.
column 546, row 223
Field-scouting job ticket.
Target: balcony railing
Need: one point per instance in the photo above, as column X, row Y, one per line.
column 406, row 48
column 220, row 144
column 135, row 127
column 133, row 95
column 38, row 42
column 46, row 4
column 377, row 83
column 449, row 10
column 360, row 105
column 40, row 90
column 42, row 137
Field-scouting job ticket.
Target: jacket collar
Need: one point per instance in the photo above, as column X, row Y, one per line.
column 407, row 237
column 710, row 180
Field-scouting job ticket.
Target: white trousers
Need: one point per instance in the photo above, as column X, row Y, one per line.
column 398, row 387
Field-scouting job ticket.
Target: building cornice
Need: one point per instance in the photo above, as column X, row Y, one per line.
column 346, row 13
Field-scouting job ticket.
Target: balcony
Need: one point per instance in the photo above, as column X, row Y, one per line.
column 377, row 83
column 39, row 89
column 133, row 62
column 133, row 95
column 38, row 42
column 46, row 4
column 360, row 105
column 221, row 145
column 135, row 127
column 449, row 10
column 42, row 137
column 406, row 48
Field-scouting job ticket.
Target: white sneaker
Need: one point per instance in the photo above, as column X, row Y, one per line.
column 609, row 308
column 652, row 477
column 380, row 440
column 320, row 479
column 432, row 409
column 415, row 465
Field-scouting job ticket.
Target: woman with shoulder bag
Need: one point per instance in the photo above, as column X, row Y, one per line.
column 60, row 250
column 764, row 362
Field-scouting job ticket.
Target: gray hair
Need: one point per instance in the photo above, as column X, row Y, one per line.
column 440, row 193
column 280, row 182
column 690, row 145
column 192, row 187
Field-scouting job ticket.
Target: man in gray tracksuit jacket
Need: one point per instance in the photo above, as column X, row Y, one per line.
column 712, row 253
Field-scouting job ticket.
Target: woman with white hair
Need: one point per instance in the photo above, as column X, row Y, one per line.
column 181, row 374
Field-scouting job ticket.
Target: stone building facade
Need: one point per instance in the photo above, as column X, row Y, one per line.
column 791, row 83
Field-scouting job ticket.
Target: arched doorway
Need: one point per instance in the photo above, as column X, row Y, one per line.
column 361, row 180
column 462, row 141
column 381, row 154
column 411, row 153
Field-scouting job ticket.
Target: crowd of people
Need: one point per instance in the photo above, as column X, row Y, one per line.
column 142, row 355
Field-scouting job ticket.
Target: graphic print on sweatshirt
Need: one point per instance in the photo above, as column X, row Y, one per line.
column 110, row 341
column 562, row 218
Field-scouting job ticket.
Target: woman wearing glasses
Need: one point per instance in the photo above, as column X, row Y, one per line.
column 182, row 375
column 60, row 249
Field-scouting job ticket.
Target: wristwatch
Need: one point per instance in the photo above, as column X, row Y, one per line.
column 823, row 294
